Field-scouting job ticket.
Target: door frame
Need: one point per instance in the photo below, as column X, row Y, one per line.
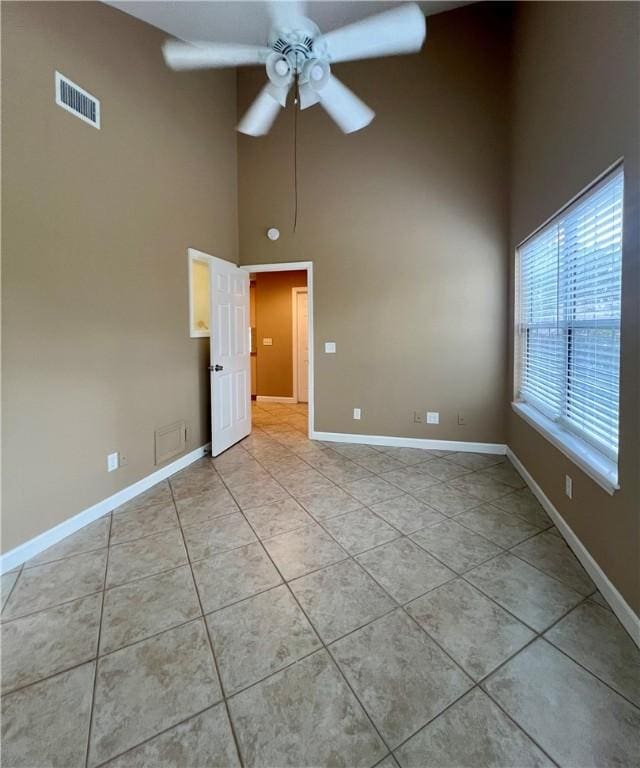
column 294, row 266
column 295, row 292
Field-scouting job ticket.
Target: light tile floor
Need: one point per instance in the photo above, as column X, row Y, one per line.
column 294, row 603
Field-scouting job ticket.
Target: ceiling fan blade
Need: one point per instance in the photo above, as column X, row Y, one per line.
column 180, row 55
column 279, row 92
column 400, row 30
column 344, row 106
column 257, row 120
column 284, row 13
column 308, row 97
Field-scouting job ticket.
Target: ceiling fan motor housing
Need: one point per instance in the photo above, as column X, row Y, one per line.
column 297, row 46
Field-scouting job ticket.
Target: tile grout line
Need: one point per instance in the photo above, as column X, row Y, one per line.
column 13, row 586
column 66, row 557
column 206, row 630
column 352, row 557
column 320, row 522
column 504, row 551
column 480, row 682
column 498, row 554
column 323, row 644
column 457, row 700
column 512, row 490
column 537, row 635
column 439, row 482
column 582, row 666
column 396, row 607
column 518, row 726
column 95, row 672
column 546, row 573
column 109, row 760
column 400, row 607
column 100, row 656
column 121, row 585
column 11, row 619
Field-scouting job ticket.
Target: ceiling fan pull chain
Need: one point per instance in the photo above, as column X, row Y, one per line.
column 296, row 100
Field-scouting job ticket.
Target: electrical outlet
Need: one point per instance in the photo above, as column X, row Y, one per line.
column 462, row 421
column 433, row 417
column 417, row 417
column 568, row 486
column 356, row 413
column 112, row 462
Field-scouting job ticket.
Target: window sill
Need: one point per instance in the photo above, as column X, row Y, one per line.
column 599, row 468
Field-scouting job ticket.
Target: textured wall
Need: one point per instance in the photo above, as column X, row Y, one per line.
column 96, row 351
column 406, row 224
column 577, row 111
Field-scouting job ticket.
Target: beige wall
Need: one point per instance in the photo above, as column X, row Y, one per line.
column 406, row 223
column 576, row 111
column 274, row 364
column 96, row 347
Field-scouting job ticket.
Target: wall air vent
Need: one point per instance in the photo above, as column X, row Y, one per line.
column 76, row 100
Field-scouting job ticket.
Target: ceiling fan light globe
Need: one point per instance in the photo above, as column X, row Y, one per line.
column 316, row 73
column 279, row 70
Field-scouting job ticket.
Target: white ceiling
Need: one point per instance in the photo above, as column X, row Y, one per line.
column 248, row 22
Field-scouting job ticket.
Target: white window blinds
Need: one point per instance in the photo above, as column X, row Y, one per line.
column 568, row 316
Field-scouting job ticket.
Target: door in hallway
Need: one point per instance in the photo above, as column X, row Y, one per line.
column 302, row 323
column 230, row 348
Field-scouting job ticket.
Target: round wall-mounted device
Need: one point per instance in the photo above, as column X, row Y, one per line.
column 273, row 233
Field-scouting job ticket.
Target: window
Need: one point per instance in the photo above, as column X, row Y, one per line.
column 568, row 328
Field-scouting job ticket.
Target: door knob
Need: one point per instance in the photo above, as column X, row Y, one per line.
column 215, row 368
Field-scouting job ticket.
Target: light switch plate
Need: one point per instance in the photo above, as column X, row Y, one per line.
column 433, row 417
column 568, row 486
column 267, row 342
column 357, row 414
column 330, row 347
column 112, row 462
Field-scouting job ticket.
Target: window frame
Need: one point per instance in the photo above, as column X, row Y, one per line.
column 597, row 461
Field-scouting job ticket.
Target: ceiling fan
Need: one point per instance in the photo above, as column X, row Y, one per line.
column 298, row 54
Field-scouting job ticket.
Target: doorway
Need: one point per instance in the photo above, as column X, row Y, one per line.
column 282, row 335
column 300, row 344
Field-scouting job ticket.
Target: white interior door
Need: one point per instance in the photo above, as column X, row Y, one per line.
column 302, row 315
column 230, row 359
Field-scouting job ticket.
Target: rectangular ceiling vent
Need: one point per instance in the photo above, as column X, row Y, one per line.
column 76, row 100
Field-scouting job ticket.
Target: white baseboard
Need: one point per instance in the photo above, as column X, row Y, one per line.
column 619, row 605
column 410, row 442
column 44, row 540
column 269, row 399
